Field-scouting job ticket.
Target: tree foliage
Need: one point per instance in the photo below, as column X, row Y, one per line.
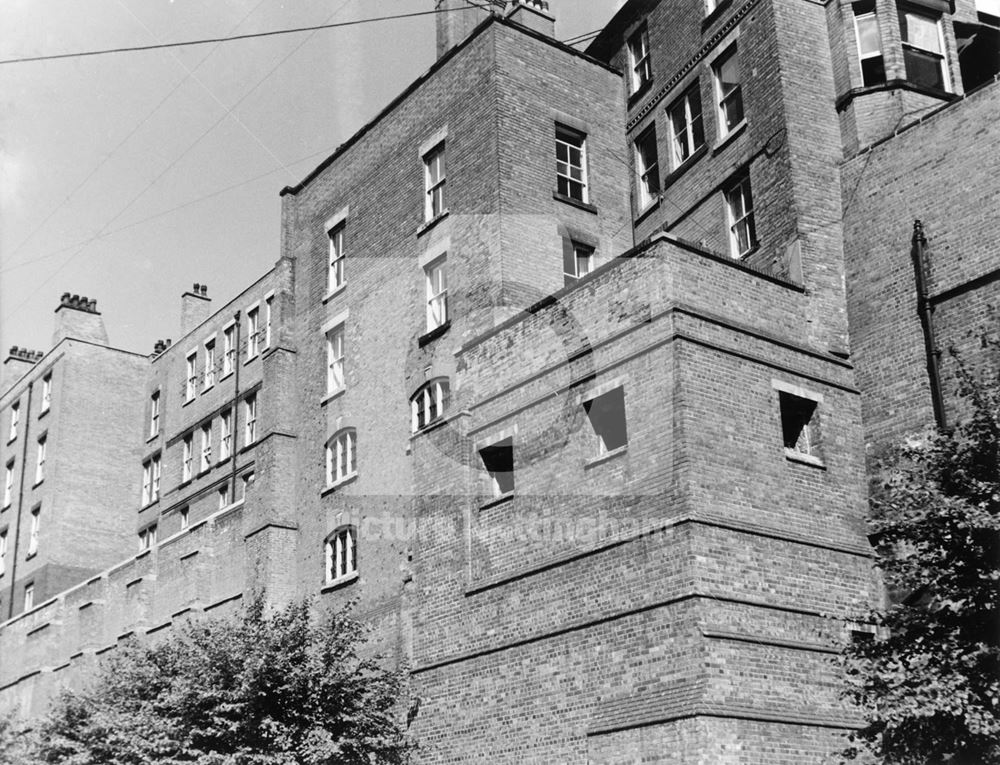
column 929, row 683
column 283, row 688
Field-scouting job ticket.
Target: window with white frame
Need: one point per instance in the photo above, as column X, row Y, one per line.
column 866, row 30
column 154, row 413
column 29, row 596
column 209, row 364
column 228, row 349
column 640, row 69
column 335, row 276
column 578, row 260
column 250, row 419
column 436, row 280
column 429, row 403
column 268, row 314
column 185, row 516
column 151, row 480
column 687, row 131
column 3, row 552
column 253, row 329
column 226, row 438
column 434, row 182
column 606, row 413
column 147, row 538
column 739, row 212
column 647, row 166
column 498, row 460
column 335, row 359
column 729, row 90
column 341, row 553
column 206, row 447
column 187, row 457
column 40, row 459
column 8, row 484
column 224, row 495
column 36, row 522
column 191, row 373
column 155, row 493
column 341, row 456
column 46, row 392
column 15, row 416
column 923, row 49
column 571, row 163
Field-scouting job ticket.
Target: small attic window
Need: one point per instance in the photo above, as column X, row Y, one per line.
column 607, row 417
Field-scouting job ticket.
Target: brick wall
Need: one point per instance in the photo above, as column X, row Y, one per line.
column 953, row 192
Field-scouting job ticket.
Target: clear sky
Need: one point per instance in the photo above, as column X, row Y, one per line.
column 128, row 177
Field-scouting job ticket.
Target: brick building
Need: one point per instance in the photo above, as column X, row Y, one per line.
column 565, row 372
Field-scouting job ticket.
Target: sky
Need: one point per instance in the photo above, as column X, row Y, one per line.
column 128, row 177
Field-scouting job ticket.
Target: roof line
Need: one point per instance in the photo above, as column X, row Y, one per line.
column 420, row 80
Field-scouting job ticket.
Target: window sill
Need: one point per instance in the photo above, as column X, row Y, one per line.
column 433, row 334
column 428, row 225
column 332, row 395
column 225, row 375
column 140, row 554
column 184, row 483
column 31, row 555
column 793, row 455
column 223, row 460
column 686, row 165
column 149, row 504
column 153, row 437
column 607, row 457
column 574, row 202
column 330, row 294
column 207, row 388
column 725, row 140
column 189, row 400
column 248, row 446
column 44, row 412
column 645, row 211
column 251, row 358
column 336, row 584
column 37, row 483
column 742, row 257
column 503, row 498
column 350, row 478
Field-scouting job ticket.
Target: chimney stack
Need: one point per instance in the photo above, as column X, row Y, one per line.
column 159, row 347
column 18, row 361
column 196, row 306
column 457, row 18
column 533, row 14
column 77, row 317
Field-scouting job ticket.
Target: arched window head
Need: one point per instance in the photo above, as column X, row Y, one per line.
column 341, row 456
column 341, row 554
column 429, row 403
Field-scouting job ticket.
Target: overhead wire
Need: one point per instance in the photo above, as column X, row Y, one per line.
column 167, row 169
column 230, row 38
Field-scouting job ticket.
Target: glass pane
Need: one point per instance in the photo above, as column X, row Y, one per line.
column 923, row 68
column 868, row 40
column 729, row 72
column 921, row 31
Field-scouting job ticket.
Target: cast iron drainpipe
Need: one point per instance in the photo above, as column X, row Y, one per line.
column 926, row 311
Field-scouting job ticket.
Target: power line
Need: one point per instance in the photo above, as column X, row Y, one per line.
column 167, row 169
column 162, row 213
column 107, row 157
column 210, row 40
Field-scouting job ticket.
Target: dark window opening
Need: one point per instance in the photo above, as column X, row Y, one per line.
column 498, row 459
column 607, row 417
column 978, row 52
column 799, row 424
